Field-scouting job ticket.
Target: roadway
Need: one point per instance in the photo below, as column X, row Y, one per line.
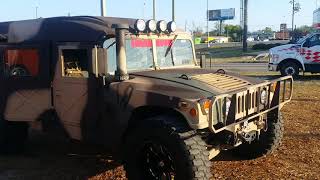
column 241, row 67
column 238, row 44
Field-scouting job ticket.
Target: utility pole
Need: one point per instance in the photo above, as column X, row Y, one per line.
column 37, row 12
column 173, row 11
column 208, row 34
column 154, row 9
column 103, row 8
column 245, row 26
column 293, row 12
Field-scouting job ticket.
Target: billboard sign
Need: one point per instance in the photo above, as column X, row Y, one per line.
column 222, row 14
column 283, row 27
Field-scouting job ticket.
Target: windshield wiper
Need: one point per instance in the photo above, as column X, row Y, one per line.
column 171, row 46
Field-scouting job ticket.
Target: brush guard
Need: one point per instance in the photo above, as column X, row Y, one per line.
column 246, row 105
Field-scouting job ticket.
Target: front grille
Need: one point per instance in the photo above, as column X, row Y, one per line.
column 248, row 102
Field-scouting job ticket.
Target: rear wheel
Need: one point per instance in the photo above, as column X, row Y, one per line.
column 268, row 142
column 290, row 69
column 156, row 150
column 13, row 136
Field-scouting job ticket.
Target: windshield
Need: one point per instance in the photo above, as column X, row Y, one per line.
column 170, row 53
column 302, row 40
column 179, row 54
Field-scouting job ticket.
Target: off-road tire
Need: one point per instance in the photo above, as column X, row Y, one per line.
column 268, row 142
column 13, row 136
column 288, row 67
column 190, row 156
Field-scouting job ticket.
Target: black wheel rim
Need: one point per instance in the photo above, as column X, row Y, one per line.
column 157, row 162
column 290, row 71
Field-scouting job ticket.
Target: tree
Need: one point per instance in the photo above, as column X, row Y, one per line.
column 305, row 29
column 268, row 30
column 197, row 31
column 233, row 31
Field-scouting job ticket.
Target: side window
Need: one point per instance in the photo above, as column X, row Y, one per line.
column 21, row 62
column 1, row 64
column 315, row 40
column 75, row 63
column 111, row 55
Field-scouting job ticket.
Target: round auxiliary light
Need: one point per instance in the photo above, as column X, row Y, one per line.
column 140, row 25
column 162, row 26
column 152, row 25
column 172, row 26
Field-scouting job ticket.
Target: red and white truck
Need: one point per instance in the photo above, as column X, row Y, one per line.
column 303, row 56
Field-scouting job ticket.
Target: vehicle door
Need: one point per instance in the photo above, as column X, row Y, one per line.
column 310, row 53
column 25, row 85
column 2, row 85
column 75, row 90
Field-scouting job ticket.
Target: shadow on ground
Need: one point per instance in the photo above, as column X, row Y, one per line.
column 49, row 158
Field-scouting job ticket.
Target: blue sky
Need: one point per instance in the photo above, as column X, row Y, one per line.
column 262, row 13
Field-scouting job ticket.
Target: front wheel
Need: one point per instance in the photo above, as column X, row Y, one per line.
column 290, row 69
column 158, row 151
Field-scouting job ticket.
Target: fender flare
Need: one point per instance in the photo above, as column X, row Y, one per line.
column 297, row 61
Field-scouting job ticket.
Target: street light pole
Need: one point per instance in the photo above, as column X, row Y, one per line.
column 245, row 26
column 37, row 12
column 173, row 11
column 103, row 8
column 154, row 9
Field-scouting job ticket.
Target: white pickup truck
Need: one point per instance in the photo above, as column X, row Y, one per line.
column 303, row 56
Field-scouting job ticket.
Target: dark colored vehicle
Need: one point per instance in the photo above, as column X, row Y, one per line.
column 136, row 89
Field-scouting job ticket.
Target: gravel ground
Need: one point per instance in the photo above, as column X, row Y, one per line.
column 298, row 158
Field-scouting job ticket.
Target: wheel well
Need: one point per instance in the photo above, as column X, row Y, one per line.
column 291, row 61
column 146, row 112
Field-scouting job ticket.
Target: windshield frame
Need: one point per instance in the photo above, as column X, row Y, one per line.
column 154, row 37
column 303, row 40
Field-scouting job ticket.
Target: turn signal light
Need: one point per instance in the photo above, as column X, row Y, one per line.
column 193, row 112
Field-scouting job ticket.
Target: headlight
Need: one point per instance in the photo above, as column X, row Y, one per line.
column 172, row 26
column 274, row 57
column 140, row 25
column 152, row 25
column 263, row 97
column 162, row 26
column 228, row 105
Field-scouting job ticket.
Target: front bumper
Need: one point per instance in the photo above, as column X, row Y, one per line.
column 272, row 67
column 246, row 105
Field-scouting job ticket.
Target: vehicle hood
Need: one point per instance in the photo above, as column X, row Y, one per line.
column 205, row 81
column 286, row 48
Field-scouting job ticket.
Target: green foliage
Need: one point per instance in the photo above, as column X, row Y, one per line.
column 233, row 31
column 305, row 29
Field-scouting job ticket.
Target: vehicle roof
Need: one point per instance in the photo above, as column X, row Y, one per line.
column 62, row 29
column 78, row 28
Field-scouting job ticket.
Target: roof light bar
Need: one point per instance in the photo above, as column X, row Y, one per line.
column 140, row 25
column 162, row 26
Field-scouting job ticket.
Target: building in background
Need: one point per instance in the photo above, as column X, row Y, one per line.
column 284, row 33
column 316, row 18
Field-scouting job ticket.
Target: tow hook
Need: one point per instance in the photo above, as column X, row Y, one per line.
column 249, row 136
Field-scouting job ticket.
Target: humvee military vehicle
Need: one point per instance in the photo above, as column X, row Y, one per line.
column 134, row 87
